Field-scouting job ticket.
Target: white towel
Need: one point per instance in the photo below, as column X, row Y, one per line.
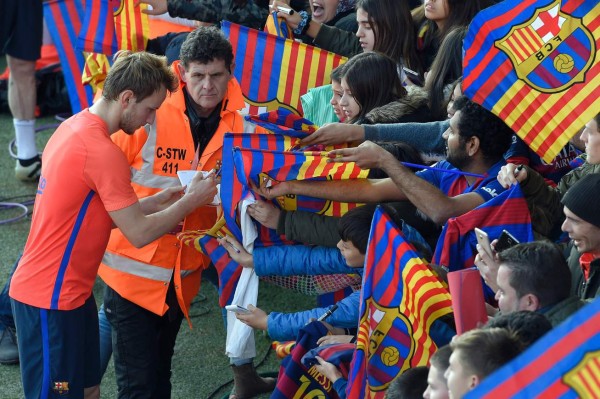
column 240, row 337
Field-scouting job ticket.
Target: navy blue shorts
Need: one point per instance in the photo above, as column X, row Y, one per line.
column 21, row 27
column 58, row 349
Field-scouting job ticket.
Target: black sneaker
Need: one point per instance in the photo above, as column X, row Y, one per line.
column 9, row 351
column 29, row 169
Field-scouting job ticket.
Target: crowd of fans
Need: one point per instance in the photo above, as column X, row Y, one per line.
column 397, row 99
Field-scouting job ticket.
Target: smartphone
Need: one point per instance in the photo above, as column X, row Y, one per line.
column 484, row 240
column 505, row 241
column 237, row 309
column 413, row 76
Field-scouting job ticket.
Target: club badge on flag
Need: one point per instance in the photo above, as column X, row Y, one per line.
column 401, row 303
column 535, row 65
column 551, row 51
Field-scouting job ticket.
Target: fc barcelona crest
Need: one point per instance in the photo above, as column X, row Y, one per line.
column 60, row 387
column 583, row 378
column 388, row 344
column 551, row 51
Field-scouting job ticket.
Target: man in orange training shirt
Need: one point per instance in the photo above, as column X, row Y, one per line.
column 84, row 191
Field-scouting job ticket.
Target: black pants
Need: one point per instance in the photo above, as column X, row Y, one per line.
column 143, row 345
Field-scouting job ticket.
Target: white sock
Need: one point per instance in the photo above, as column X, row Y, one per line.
column 25, row 134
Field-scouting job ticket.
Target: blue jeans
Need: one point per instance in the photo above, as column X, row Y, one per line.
column 6, row 316
column 105, row 340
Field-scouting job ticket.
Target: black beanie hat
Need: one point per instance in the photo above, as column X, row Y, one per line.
column 583, row 199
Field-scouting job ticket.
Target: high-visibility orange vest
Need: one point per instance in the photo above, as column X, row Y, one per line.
column 156, row 152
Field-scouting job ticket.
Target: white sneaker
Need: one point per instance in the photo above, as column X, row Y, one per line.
column 29, row 173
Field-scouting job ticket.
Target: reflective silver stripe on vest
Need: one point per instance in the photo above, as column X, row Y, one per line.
column 145, row 176
column 130, row 266
column 152, row 180
column 140, row 269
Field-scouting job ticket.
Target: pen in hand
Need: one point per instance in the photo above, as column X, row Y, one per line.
column 237, row 251
column 328, row 313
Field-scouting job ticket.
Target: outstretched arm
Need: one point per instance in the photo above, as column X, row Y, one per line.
column 247, row 13
column 335, row 133
column 426, row 197
column 351, row 190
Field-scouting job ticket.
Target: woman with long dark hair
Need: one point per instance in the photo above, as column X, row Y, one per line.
column 386, row 26
column 370, row 80
column 373, row 93
column 436, row 18
column 445, row 70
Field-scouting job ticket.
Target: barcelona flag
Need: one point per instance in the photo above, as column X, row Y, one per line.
column 266, row 159
column 295, row 380
column 534, row 64
column 96, row 68
column 112, row 25
column 267, row 167
column 278, row 27
column 232, row 189
column 565, row 363
column 284, row 122
column 64, row 20
column 98, row 34
column 131, row 26
column 400, row 301
column 109, row 26
column 228, row 270
column 456, row 245
column 274, row 72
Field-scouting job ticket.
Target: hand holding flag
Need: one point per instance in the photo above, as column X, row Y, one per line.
column 368, row 155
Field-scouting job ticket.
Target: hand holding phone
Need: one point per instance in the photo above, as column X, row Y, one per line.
column 413, row 76
column 484, row 240
column 237, row 309
column 505, row 241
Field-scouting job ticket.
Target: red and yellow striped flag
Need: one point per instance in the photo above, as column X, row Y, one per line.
column 274, row 72
column 535, row 64
column 401, row 302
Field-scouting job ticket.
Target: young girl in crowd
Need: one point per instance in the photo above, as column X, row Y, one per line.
column 371, row 81
column 336, row 88
column 386, row 26
column 314, row 102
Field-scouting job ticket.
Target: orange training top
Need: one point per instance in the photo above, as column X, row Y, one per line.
column 84, row 176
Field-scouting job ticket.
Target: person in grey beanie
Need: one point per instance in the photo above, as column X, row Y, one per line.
column 582, row 223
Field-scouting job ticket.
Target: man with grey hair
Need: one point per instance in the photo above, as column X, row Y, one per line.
column 150, row 289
